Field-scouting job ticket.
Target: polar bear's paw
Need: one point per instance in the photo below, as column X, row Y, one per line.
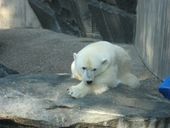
column 78, row 91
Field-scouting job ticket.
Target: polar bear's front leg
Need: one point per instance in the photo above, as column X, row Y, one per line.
column 99, row 89
column 79, row 90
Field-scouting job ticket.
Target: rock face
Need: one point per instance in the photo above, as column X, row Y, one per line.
column 152, row 36
column 40, row 100
column 38, row 50
column 127, row 5
column 4, row 71
column 114, row 24
column 43, row 10
column 43, row 51
column 17, row 14
column 111, row 20
column 67, row 14
column 43, row 99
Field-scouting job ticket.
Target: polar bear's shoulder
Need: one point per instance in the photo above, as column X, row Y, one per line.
column 101, row 47
column 100, row 44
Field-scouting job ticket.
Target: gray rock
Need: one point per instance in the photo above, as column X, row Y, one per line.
column 43, row 51
column 43, row 98
column 60, row 16
column 4, row 71
column 127, row 5
column 69, row 17
column 45, row 15
column 39, row 50
column 114, row 24
column 151, row 30
column 40, row 100
column 17, row 14
column 111, row 20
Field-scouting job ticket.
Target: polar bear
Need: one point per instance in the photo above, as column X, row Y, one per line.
column 99, row 66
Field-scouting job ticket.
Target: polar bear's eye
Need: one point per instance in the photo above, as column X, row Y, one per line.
column 94, row 69
column 84, row 68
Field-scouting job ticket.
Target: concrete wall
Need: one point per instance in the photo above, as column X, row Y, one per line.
column 17, row 14
column 153, row 35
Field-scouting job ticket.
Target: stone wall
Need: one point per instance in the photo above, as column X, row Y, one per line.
column 152, row 35
column 113, row 23
column 17, row 14
column 111, row 20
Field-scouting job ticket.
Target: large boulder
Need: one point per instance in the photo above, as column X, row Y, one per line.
column 38, row 50
column 41, row 101
column 44, row 51
column 45, row 15
column 114, row 24
column 111, row 20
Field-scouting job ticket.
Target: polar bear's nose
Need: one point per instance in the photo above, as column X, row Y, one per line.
column 89, row 82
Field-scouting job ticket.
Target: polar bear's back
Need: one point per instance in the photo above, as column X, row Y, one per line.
column 103, row 48
column 100, row 46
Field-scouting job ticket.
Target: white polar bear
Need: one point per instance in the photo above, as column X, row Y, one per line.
column 99, row 66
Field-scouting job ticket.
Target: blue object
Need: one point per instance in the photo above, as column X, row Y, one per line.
column 164, row 88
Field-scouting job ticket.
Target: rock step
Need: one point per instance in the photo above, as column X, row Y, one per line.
column 42, row 98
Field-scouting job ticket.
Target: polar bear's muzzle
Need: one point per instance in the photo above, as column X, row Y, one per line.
column 88, row 76
column 89, row 82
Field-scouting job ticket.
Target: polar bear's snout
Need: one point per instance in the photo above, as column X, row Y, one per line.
column 88, row 76
column 89, row 82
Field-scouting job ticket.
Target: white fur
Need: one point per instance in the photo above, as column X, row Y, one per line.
column 104, row 64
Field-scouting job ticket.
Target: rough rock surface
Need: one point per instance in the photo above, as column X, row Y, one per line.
column 4, row 71
column 17, row 14
column 40, row 100
column 45, row 15
column 112, row 20
column 38, row 50
column 114, row 24
column 44, row 98
column 44, row 51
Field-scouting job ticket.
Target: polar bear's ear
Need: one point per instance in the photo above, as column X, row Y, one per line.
column 104, row 61
column 74, row 56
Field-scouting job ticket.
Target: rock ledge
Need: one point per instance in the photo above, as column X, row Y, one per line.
column 42, row 100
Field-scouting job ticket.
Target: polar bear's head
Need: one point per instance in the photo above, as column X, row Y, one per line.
column 90, row 66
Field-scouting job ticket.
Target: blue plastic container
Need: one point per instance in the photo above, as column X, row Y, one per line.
column 164, row 88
